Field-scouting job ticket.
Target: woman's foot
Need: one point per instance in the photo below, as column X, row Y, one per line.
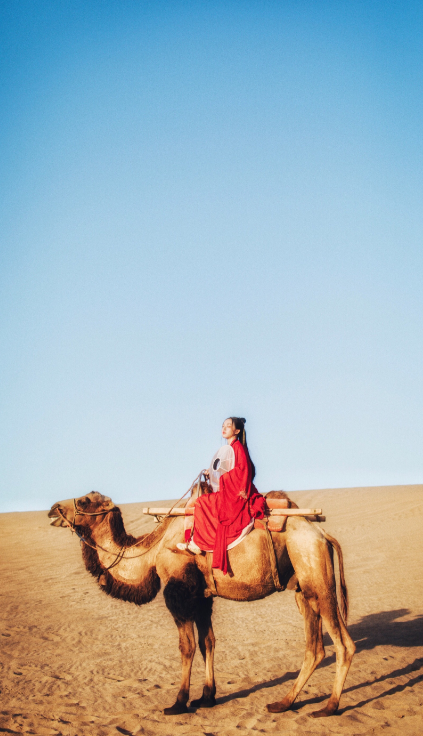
column 189, row 547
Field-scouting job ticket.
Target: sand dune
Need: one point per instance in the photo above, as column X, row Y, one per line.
column 74, row 661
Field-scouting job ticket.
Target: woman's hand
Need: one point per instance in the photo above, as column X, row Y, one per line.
column 206, row 473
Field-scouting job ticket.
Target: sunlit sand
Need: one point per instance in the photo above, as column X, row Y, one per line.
column 77, row 662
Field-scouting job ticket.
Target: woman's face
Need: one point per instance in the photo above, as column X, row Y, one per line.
column 228, row 431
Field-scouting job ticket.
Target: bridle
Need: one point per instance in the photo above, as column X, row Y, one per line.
column 121, row 553
column 73, row 527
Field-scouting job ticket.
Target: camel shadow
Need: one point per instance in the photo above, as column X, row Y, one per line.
column 412, row 667
column 378, row 629
column 260, row 686
column 371, row 631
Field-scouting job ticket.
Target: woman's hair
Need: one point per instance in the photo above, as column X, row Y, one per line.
column 239, row 423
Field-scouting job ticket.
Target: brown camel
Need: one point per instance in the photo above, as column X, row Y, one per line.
column 133, row 570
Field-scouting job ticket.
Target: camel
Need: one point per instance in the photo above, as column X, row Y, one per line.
column 133, row 569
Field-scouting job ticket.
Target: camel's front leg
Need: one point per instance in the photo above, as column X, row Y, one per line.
column 314, row 653
column 187, row 648
column 206, row 641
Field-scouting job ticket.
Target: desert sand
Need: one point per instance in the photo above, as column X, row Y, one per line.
column 75, row 661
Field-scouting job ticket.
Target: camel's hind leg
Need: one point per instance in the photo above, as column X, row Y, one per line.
column 314, row 653
column 187, row 649
column 310, row 552
column 344, row 647
column 206, row 642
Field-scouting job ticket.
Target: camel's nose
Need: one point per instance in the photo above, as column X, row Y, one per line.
column 56, row 516
column 52, row 510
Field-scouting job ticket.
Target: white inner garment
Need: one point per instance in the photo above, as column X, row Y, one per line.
column 222, row 462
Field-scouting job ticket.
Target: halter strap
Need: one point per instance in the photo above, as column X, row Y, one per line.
column 121, row 553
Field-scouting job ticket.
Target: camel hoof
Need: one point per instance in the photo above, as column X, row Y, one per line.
column 176, row 709
column 324, row 713
column 278, row 707
column 203, row 702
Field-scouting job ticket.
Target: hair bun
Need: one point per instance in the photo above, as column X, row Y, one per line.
column 242, row 419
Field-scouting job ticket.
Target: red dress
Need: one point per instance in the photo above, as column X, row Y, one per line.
column 219, row 518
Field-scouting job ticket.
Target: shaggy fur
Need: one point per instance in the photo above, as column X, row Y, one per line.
column 117, row 529
column 137, row 594
column 145, row 592
column 184, row 596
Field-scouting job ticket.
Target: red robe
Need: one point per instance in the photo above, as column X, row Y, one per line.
column 219, row 518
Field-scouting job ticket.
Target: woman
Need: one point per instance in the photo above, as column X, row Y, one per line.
column 222, row 519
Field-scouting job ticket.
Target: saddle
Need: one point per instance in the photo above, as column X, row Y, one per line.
column 274, row 523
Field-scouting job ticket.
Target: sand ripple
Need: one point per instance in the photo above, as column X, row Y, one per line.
column 74, row 662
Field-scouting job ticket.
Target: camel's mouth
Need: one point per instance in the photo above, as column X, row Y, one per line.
column 56, row 521
column 56, row 517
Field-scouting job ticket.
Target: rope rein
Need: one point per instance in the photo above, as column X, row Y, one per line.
column 120, row 555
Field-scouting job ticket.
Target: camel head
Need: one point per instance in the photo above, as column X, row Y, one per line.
column 82, row 511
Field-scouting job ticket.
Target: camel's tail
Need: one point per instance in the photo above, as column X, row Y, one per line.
column 344, row 592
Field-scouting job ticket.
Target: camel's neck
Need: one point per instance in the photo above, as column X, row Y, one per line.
column 124, row 569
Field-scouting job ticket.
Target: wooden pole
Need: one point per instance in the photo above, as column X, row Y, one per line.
column 273, row 512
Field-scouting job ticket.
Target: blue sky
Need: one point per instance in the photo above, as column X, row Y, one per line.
column 209, row 209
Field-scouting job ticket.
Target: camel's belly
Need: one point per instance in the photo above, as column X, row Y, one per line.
column 241, row 591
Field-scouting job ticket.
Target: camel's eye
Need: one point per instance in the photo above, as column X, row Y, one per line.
column 216, row 463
